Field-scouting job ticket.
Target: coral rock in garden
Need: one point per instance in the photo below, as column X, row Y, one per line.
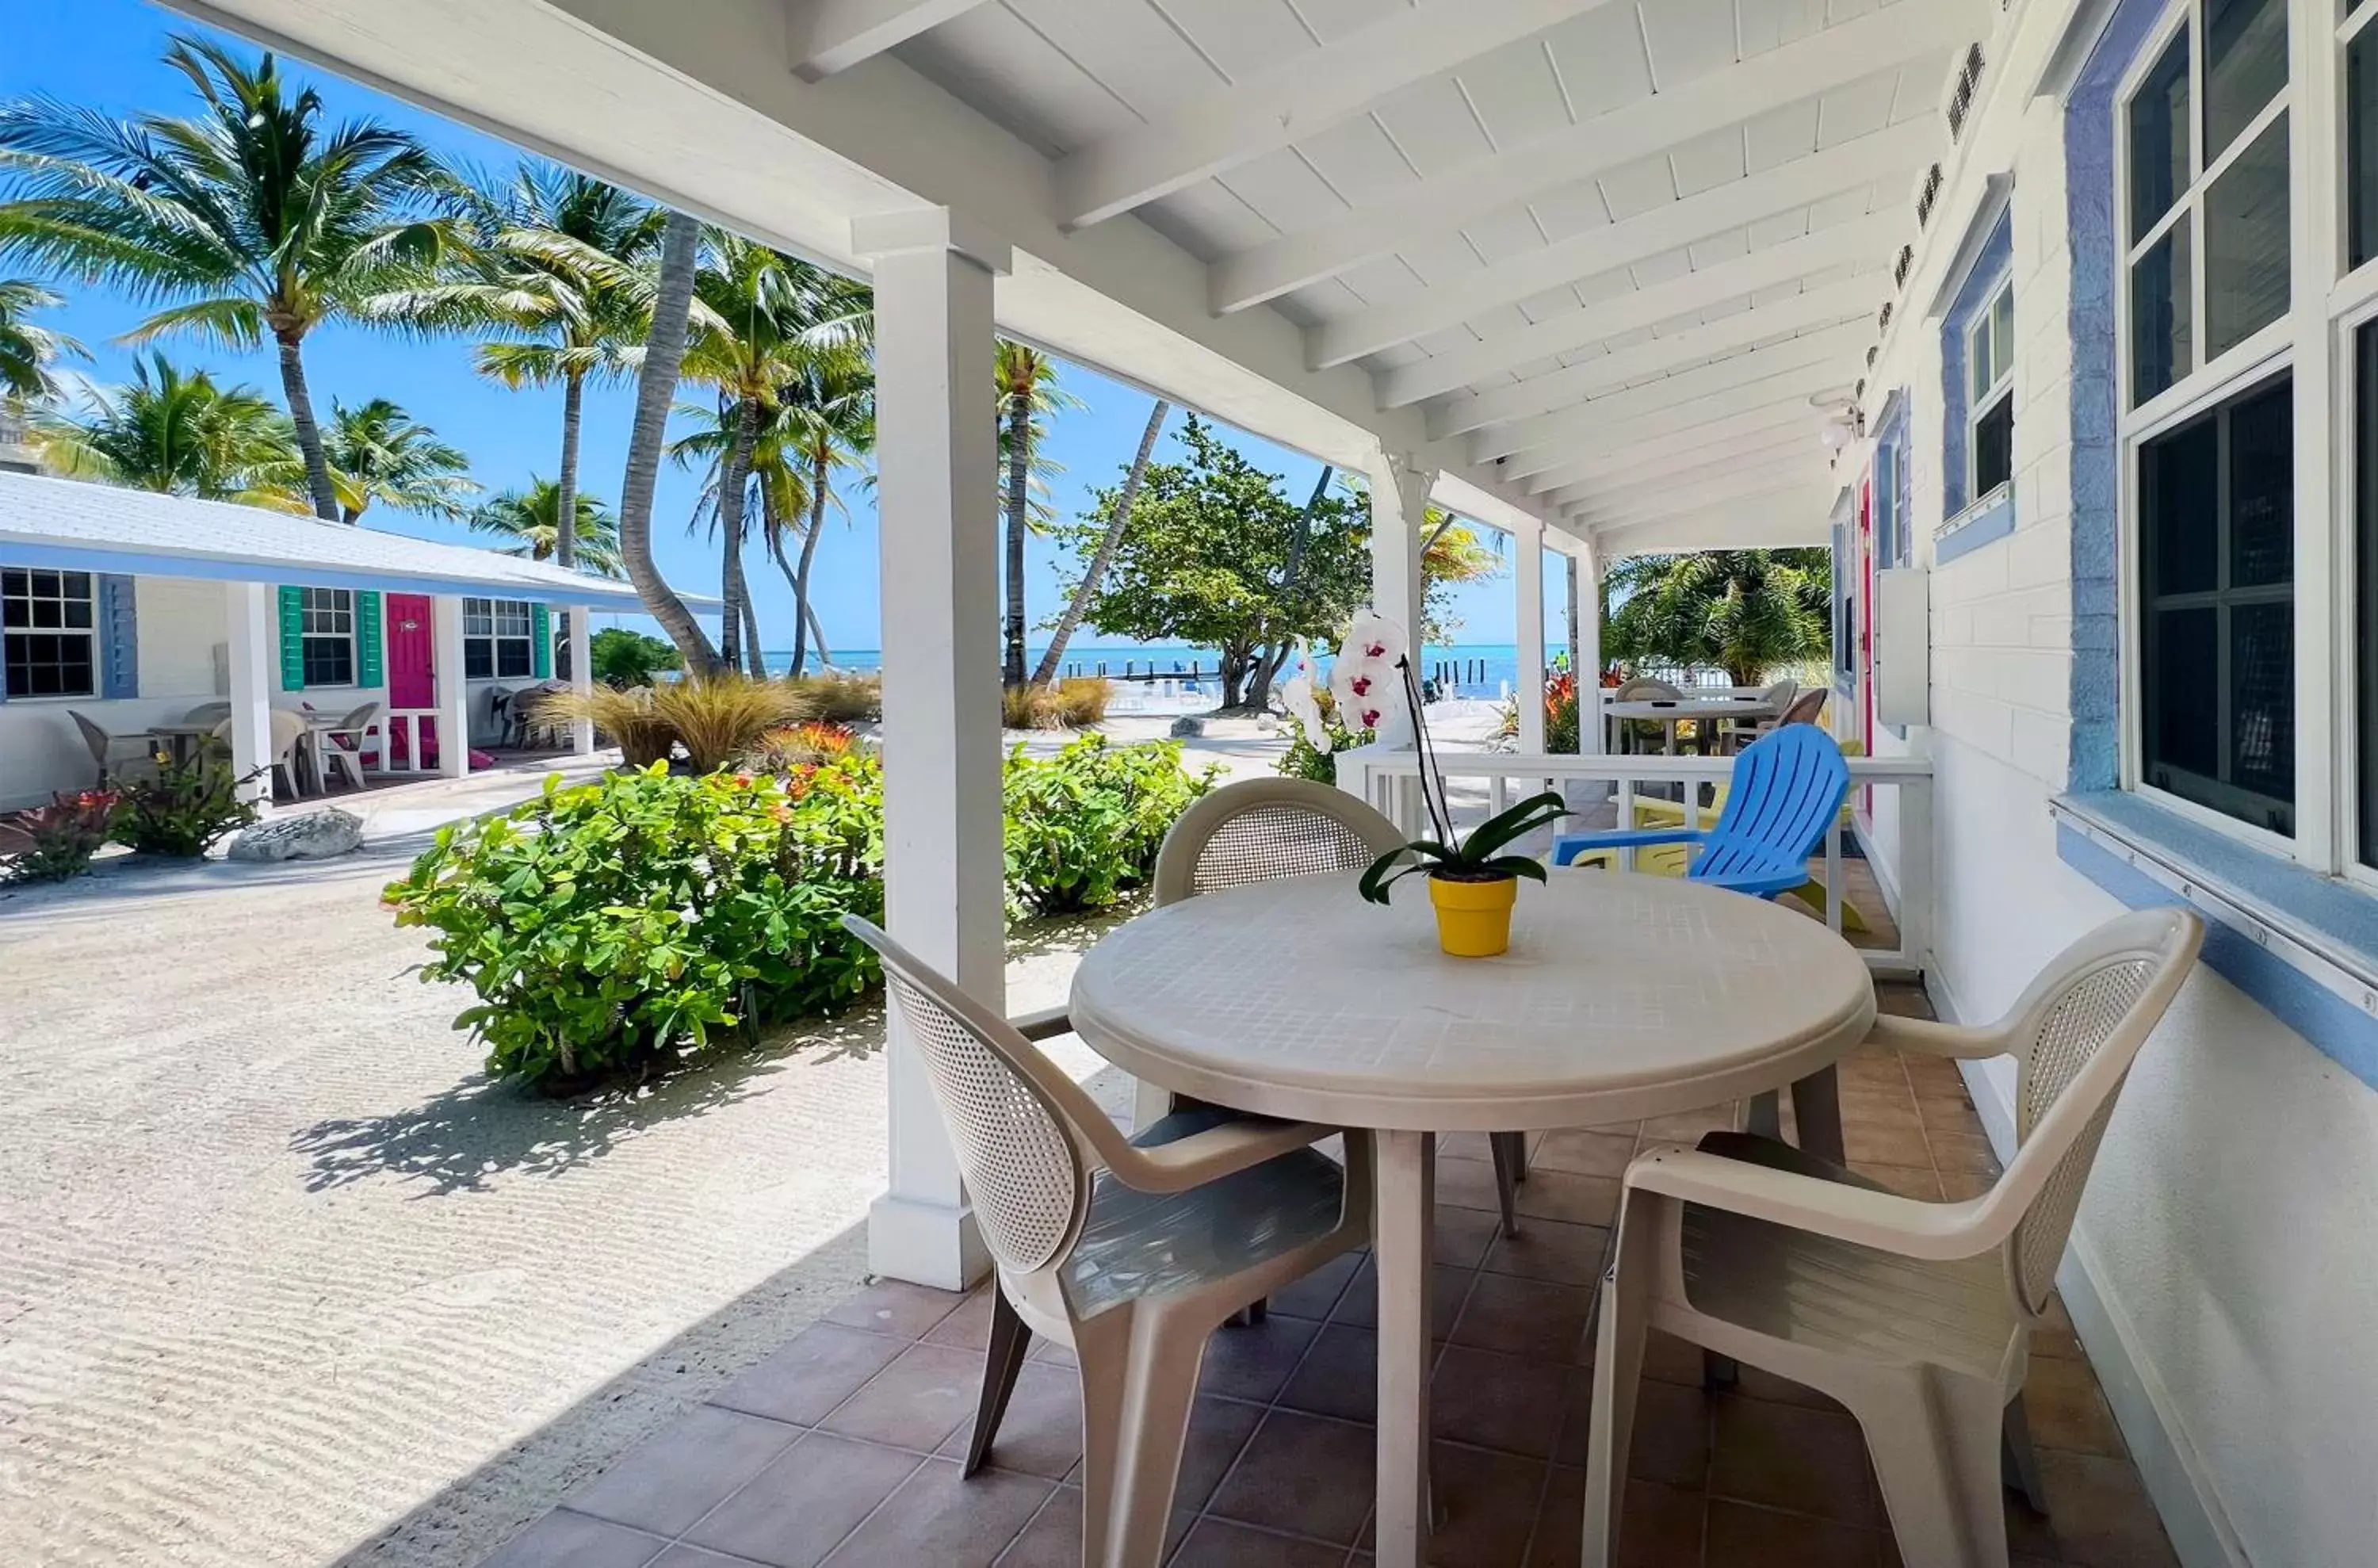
column 317, row 836
column 1188, row 727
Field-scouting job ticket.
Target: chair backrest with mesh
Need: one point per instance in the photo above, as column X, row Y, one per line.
column 2076, row 1036
column 1265, row 828
column 93, row 737
column 1024, row 1173
column 1643, row 688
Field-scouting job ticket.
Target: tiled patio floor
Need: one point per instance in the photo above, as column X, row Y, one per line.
column 841, row 1449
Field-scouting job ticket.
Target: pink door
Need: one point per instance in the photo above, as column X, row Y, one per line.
column 412, row 673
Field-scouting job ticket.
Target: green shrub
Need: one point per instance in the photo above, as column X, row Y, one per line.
column 185, row 810
column 608, row 928
column 1084, row 826
column 55, row 842
column 624, row 659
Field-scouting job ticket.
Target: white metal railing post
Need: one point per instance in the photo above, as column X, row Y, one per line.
column 1916, row 853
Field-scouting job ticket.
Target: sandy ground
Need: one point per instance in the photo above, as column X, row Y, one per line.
column 285, row 1281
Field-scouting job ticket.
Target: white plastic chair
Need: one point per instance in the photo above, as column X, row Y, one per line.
column 341, row 747
column 1915, row 1316
column 1130, row 1251
column 1260, row 829
column 1778, row 698
column 288, row 729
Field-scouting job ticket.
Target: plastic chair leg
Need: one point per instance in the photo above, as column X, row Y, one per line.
column 1617, row 1370
column 2018, row 1461
column 1139, row 1378
column 1936, row 1451
column 1511, row 1169
column 1009, row 1340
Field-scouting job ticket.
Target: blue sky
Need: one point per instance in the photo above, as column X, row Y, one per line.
column 105, row 54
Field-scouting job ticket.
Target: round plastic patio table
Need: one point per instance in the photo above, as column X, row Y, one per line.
column 1622, row 997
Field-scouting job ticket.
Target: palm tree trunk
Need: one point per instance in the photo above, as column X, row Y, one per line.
column 565, row 533
column 1087, row 588
column 309, row 435
column 817, row 636
column 655, row 387
column 731, row 474
column 1019, row 466
column 753, row 659
column 801, row 614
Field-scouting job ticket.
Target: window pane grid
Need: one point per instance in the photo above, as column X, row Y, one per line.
column 50, row 648
column 499, row 641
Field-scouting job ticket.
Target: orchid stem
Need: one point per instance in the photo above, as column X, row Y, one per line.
column 1440, row 810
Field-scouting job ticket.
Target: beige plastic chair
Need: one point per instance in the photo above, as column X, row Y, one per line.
column 1130, row 1251
column 1778, row 698
column 208, row 713
column 108, row 750
column 1917, row 1316
column 288, row 729
column 341, row 746
column 1641, row 689
column 1260, row 829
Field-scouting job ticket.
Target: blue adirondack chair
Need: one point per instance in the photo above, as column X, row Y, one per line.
column 1786, row 788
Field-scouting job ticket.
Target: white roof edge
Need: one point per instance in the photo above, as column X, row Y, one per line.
column 155, row 534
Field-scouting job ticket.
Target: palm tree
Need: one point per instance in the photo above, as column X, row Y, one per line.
column 769, row 485
column 566, row 272
column 828, row 420
column 1027, row 391
column 1087, row 588
column 656, row 380
column 176, row 432
column 1746, row 612
column 28, row 351
column 530, row 519
column 378, row 452
column 251, row 220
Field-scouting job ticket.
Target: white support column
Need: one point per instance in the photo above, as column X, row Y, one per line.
column 1398, row 517
column 1577, row 661
column 582, row 675
column 453, row 693
column 249, row 611
column 936, row 453
column 1528, row 547
column 1585, row 618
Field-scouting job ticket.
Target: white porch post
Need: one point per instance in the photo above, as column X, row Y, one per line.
column 453, row 693
column 1527, row 545
column 937, row 459
column 1398, row 516
column 249, row 610
column 582, row 675
column 1585, row 630
column 1577, row 663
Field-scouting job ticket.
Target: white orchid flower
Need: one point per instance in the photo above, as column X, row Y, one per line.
column 1304, row 706
column 1368, row 682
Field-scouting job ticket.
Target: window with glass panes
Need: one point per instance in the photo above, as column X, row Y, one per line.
column 48, row 622
column 2204, row 220
column 327, row 623
column 1989, row 362
column 499, row 639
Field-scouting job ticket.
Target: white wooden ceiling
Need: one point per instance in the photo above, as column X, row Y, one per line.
column 1570, row 231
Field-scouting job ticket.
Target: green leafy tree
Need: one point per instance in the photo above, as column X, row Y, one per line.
column 1746, row 612
column 249, row 221
column 1029, row 394
column 176, row 432
column 379, row 454
column 530, row 519
column 625, row 658
column 27, row 352
column 1206, row 559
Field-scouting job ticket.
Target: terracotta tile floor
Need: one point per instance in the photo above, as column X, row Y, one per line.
column 840, row 1450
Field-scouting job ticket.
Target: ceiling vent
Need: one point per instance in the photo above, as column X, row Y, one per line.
column 1906, row 259
column 1882, row 322
column 1928, row 197
column 1872, row 350
column 1961, row 97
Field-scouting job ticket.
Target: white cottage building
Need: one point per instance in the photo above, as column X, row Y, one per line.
column 2054, row 315
column 133, row 608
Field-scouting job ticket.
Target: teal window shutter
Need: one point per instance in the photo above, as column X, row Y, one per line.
column 370, row 668
column 292, row 639
column 119, row 637
column 540, row 641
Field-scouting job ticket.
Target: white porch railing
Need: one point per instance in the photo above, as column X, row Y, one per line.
column 405, row 721
column 1891, row 802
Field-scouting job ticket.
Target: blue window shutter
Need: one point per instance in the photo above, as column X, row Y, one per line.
column 292, row 639
column 540, row 641
column 370, row 668
column 119, row 637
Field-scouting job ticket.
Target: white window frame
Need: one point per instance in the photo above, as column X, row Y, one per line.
column 88, row 632
column 338, row 602
column 2202, row 384
column 483, row 623
column 2001, row 386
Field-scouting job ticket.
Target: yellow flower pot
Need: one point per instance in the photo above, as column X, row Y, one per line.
column 1474, row 919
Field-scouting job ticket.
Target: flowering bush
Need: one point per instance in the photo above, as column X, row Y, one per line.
column 1560, row 712
column 185, row 810
column 610, row 928
column 792, row 746
column 56, row 841
column 1084, row 826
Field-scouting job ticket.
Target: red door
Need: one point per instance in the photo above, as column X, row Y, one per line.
column 412, row 673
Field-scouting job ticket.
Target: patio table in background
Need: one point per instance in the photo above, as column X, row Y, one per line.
column 1296, row 999
column 182, row 736
column 1671, row 712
